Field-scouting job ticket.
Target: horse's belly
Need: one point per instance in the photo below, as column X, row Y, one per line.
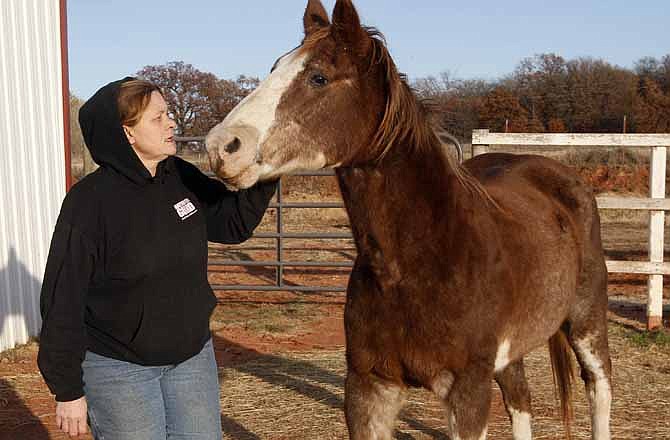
column 541, row 308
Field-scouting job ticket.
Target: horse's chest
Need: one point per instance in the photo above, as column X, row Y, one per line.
column 381, row 268
column 393, row 338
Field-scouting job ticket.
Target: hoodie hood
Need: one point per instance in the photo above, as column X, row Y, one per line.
column 104, row 136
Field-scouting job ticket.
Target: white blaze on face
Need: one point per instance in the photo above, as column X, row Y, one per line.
column 258, row 109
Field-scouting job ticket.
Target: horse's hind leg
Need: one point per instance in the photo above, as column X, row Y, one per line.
column 587, row 334
column 371, row 406
column 596, row 371
column 514, row 387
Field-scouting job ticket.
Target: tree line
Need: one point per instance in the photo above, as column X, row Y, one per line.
column 545, row 93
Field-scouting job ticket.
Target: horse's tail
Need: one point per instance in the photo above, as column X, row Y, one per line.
column 561, row 366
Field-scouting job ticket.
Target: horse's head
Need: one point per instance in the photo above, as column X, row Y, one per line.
column 332, row 101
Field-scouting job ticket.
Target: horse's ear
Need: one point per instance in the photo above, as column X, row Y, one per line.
column 347, row 27
column 315, row 17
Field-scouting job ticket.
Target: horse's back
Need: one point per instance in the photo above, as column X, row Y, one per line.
column 511, row 177
column 558, row 209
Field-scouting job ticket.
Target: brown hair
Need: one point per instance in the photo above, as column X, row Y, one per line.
column 134, row 97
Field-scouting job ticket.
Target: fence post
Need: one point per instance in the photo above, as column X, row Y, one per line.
column 656, row 239
column 280, row 239
column 477, row 147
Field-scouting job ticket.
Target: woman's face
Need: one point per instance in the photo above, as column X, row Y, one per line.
column 152, row 137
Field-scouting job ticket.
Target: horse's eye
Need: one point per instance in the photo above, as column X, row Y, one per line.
column 318, row 80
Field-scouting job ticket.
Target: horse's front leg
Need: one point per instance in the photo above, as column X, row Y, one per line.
column 514, row 387
column 468, row 404
column 371, row 406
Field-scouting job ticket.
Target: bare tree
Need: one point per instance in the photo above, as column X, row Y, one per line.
column 541, row 84
column 455, row 103
column 652, row 108
column 197, row 100
column 185, row 89
column 502, row 111
column 223, row 95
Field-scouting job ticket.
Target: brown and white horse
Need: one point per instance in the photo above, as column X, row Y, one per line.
column 461, row 270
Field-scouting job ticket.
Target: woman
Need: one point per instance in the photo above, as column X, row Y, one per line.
column 125, row 301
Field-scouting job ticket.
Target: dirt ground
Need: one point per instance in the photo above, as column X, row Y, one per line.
column 282, row 370
column 281, row 355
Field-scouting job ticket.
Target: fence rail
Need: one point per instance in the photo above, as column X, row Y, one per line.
column 656, row 203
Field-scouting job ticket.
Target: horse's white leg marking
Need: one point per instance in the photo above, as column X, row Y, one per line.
column 599, row 394
column 442, row 384
column 383, row 410
column 502, row 356
column 453, row 428
column 520, row 424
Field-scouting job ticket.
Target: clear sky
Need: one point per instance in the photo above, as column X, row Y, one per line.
column 470, row 39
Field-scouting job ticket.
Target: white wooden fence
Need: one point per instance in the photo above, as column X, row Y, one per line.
column 657, row 204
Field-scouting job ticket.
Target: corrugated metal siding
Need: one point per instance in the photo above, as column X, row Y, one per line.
column 32, row 165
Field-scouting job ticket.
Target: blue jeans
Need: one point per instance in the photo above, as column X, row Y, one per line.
column 130, row 402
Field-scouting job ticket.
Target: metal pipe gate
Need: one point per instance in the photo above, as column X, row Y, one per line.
column 280, row 262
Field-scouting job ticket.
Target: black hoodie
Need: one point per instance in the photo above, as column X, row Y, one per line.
column 126, row 275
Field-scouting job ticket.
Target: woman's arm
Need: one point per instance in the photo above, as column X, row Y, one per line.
column 62, row 302
column 232, row 216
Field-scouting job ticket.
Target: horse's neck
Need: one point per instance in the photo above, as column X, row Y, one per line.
column 407, row 197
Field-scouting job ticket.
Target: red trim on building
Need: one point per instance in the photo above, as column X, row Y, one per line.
column 66, row 94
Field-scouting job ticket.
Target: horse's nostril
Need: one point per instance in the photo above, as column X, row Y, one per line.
column 233, row 146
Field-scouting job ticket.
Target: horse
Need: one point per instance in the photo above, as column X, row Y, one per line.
column 461, row 269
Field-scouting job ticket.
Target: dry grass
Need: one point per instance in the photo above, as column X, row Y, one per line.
column 265, row 318
column 300, row 396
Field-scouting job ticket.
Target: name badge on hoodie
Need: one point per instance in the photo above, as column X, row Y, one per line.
column 185, row 209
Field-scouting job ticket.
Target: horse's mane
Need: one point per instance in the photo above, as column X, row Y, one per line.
column 406, row 118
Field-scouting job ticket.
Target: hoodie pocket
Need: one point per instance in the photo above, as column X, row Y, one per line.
column 117, row 311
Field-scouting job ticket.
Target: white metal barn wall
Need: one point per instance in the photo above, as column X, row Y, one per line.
column 32, row 158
